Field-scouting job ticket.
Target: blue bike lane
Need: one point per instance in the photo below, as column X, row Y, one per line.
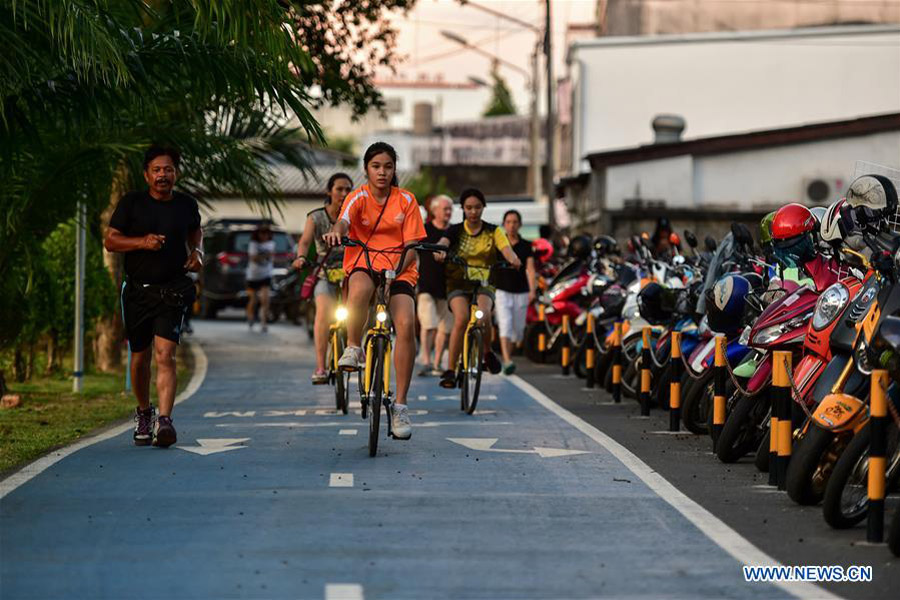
column 270, row 494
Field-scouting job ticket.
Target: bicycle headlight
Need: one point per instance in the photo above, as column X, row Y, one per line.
column 381, row 316
column 479, row 314
column 341, row 313
column 830, row 304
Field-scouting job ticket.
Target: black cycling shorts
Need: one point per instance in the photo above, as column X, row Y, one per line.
column 146, row 316
column 397, row 288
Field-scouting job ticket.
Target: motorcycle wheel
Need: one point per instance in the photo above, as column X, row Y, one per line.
column 762, row 454
column 894, row 534
column 632, row 376
column 741, row 433
column 846, row 502
column 807, row 458
column 695, row 404
column 603, row 371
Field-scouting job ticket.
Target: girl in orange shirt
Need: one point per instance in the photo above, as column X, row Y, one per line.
column 384, row 217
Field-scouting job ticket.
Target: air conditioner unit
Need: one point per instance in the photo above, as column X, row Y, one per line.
column 823, row 190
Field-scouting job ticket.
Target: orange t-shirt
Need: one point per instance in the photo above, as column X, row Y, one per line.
column 400, row 224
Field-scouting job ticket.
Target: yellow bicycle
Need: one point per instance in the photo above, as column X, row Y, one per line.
column 375, row 379
column 337, row 336
column 471, row 361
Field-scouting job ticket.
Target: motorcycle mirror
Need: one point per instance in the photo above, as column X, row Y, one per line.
column 691, row 238
column 710, row 243
column 742, row 235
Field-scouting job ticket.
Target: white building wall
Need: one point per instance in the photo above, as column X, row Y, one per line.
column 776, row 176
column 668, row 179
column 752, row 179
column 725, row 83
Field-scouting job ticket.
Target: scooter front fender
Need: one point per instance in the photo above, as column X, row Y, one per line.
column 839, row 412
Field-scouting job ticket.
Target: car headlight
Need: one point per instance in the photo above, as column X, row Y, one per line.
column 479, row 314
column 381, row 316
column 830, row 304
column 341, row 313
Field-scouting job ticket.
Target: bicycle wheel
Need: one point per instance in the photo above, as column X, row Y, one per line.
column 472, row 372
column 341, row 378
column 376, row 397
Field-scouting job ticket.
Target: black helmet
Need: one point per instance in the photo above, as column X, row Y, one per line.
column 580, row 247
column 656, row 303
column 605, row 244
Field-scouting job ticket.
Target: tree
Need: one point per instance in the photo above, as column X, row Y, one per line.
column 86, row 85
column 501, row 102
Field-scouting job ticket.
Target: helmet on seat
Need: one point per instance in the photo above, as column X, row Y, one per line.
column 830, row 224
column 872, row 200
column 543, row 249
column 580, row 247
column 793, row 235
column 765, row 229
column 605, row 244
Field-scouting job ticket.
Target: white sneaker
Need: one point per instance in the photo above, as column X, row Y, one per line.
column 401, row 427
column 353, row 359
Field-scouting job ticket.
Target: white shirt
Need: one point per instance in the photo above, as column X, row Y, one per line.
column 260, row 270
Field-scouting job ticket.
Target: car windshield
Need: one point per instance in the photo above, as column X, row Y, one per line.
column 241, row 239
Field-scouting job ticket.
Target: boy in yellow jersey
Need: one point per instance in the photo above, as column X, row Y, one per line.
column 478, row 243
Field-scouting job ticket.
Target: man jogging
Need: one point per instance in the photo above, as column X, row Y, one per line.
column 159, row 232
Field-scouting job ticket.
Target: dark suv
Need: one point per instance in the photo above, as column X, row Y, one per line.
column 223, row 278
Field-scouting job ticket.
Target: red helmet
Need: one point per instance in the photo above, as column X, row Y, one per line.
column 543, row 249
column 792, row 220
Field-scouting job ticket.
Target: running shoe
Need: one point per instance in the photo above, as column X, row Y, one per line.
column 143, row 426
column 164, row 433
column 401, row 428
column 448, row 379
column 319, row 377
column 491, row 362
column 509, row 368
column 353, row 359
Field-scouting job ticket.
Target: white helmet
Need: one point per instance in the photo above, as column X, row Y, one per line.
column 874, row 192
column 829, row 228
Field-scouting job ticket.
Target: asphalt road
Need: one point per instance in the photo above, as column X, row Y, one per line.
column 737, row 494
column 269, row 494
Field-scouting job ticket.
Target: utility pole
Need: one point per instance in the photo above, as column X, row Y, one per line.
column 548, row 161
column 534, row 170
column 80, row 263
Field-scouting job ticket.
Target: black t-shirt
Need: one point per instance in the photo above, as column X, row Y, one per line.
column 515, row 281
column 138, row 214
column 431, row 272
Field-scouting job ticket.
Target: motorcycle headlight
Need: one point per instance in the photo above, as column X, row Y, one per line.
column 341, row 313
column 829, row 306
column 768, row 334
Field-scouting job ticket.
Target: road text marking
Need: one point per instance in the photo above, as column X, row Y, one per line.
column 343, row 591
column 348, row 431
column 341, row 480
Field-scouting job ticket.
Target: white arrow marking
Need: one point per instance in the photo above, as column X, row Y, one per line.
column 215, row 445
column 487, row 445
column 290, row 424
column 348, row 432
column 217, row 415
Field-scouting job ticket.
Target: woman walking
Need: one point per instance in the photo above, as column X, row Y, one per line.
column 331, row 274
column 260, row 259
column 515, row 291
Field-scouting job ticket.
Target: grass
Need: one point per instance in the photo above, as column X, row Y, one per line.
column 51, row 415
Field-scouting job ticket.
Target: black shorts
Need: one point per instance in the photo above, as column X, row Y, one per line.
column 257, row 284
column 146, row 316
column 398, row 288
